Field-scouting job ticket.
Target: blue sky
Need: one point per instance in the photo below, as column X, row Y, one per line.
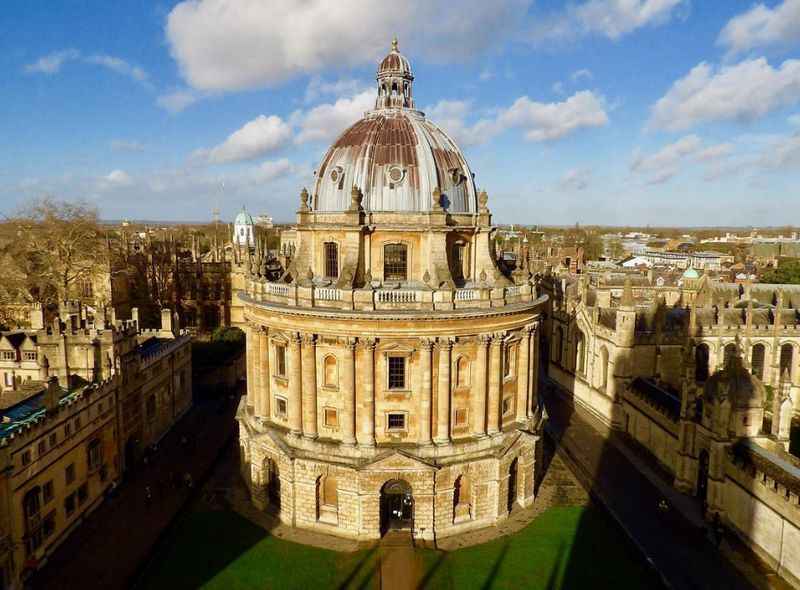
column 661, row 112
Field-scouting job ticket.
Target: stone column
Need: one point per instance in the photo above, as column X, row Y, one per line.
column 479, row 387
column 426, row 346
column 365, row 409
column 348, row 395
column 309, row 368
column 533, row 380
column 263, row 399
column 295, row 386
column 493, row 402
column 523, row 375
column 250, row 355
column 443, row 392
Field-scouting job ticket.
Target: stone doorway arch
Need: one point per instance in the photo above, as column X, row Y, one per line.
column 397, row 506
column 513, row 473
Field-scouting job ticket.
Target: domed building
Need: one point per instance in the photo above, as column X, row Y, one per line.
column 392, row 368
column 244, row 229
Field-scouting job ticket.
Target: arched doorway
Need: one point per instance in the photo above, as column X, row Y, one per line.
column 512, row 484
column 702, row 477
column 397, row 506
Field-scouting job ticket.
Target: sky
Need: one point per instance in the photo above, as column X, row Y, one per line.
column 615, row 112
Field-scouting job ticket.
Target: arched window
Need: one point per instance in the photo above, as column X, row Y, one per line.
column 459, row 262
column 462, row 372
column 757, row 361
column 580, row 353
column 729, row 354
column 331, row 260
column 395, row 262
column 603, row 368
column 701, row 363
column 787, row 359
column 331, row 370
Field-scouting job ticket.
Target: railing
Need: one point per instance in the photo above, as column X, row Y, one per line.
column 512, row 291
column 278, row 289
column 393, row 296
column 327, row 294
column 466, row 294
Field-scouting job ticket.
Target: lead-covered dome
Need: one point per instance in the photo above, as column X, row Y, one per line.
column 394, row 155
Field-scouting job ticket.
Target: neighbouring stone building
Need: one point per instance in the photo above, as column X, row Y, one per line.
column 100, row 395
column 689, row 375
column 392, row 366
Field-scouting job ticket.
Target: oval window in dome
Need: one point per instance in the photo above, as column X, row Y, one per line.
column 396, row 174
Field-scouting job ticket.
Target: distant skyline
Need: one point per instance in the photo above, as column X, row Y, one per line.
column 607, row 112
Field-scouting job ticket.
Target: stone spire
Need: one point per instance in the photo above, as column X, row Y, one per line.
column 627, row 295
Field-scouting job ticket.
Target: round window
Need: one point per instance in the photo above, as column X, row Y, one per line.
column 396, row 174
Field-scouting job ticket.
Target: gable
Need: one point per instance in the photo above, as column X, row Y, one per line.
column 397, row 461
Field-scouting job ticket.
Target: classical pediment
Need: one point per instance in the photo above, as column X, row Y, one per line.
column 397, row 461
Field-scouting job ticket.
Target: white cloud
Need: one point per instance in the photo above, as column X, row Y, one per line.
column 177, row 100
column 126, row 145
column 317, row 88
column 609, row 18
column 663, row 165
column 558, row 87
column 582, row 74
column 326, row 121
column 222, row 45
column 762, row 26
column 255, row 138
column 272, row 169
column 549, row 121
column 52, row 62
column 120, row 66
column 576, row 179
column 782, row 153
column 116, row 178
column 451, row 116
column 744, row 91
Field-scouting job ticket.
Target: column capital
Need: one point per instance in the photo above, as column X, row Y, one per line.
column 531, row 328
column 484, row 340
column 497, row 338
column 308, row 339
column 426, row 343
column 350, row 343
column 367, row 343
column 294, row 337
column 445, row 342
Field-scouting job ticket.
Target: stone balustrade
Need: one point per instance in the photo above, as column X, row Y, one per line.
column 322, row 297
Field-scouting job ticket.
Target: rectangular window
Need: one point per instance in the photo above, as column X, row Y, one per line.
column 95, row 454
column 280, row 407
column 47, row 491
column 397, row 372
column 280, row 357
column 67, row 429
column 42, row 448
column 53, row 439
column 83, row 494
column 49, row 524
column 30, row 355
column 461, row 417
column 331, row 418
column 77, row 423
column 458, row 261
column 151, row 407
column 331, row 260
column 69, row 504
column 395, row 262
column 9, row 355
column 69, row 475
column 26, row 457
column 396, row 422
column 508, row 360
column 8, row 379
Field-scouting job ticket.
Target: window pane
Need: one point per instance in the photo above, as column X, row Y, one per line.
column 331, row 260
column 397, row 421
column 394, row 262
column 397, row 372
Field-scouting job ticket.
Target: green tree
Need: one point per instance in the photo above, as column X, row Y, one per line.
column 787, row 272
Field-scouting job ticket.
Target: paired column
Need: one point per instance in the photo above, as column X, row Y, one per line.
column 365, row 409
column 250, row 353
column 295, row 385
column 523, row 375
column 479, row 387
column 309, row 368
column 426, row 346
column 493, row 403
column 263, row 397
column 348, row 395
column 533, row 356
column 443, row 392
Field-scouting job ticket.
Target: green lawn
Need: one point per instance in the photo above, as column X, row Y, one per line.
column 563, row 548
